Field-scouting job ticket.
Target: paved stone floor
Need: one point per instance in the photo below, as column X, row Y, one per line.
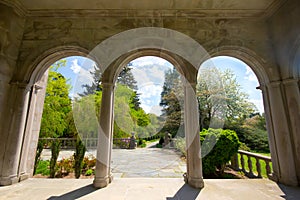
column 140, row 162
column 144, row 174
column 148, row 189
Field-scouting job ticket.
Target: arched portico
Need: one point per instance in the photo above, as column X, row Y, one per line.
column 275, row 94
column 27, row 32
column 189, row 75
column 27, row 100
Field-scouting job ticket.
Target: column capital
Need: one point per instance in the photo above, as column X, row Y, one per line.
column 274, row 84
column 21, row 85
column 290, row 81
column 108, row 85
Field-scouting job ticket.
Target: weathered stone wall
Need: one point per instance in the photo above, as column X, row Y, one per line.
column 285, row 34
column 45, row 33
column 11, row 31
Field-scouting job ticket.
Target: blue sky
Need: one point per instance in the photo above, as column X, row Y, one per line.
column 149, row 73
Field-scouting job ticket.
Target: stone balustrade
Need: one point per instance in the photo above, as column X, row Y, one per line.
column 242, row 162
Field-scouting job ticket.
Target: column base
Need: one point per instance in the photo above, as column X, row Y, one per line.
column 101, row 182
column 111, row 178
column 197, row 183
column 24, row 176
column 4, row 181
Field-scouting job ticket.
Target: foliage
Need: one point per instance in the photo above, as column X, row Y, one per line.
column 227, row 144
column 96, row 84
column 180, row 144
column 42, row 167
column 64, row 167
column 252, row 131
column 89, row 172
column 141, row 143
column 171, row 101
column 220, row 97
column 57, row 105
column 37, row 160
column 55, row 147
column 126, row 78
column 78, row 156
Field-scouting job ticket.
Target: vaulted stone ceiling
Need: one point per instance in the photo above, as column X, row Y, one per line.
column 193, row 8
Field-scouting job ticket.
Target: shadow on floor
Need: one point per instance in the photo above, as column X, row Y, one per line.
column 80, row 192
column 290, row 193
column 186, row 192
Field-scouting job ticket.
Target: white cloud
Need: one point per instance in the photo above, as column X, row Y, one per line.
column 84, row 77
column 149, row 90
column 250, row 75
column 259, row 104
column 75, row 67
column 156, row 110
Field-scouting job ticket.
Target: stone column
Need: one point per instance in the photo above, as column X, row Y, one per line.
column 32, row 128
column 281, row 141
column 194, row 175
column 16, row 112
column 292, row 98
column 102, row 172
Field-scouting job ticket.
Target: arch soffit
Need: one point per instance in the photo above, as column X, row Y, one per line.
column 46, row 59
column 248, row 56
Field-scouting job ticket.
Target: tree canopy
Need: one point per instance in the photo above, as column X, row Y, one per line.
column 57, row 105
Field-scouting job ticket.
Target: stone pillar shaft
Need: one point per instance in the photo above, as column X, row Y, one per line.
column 191, row 125
column 292, row 98
column 15, row 124
column 32, row 129
column 282, row 153
column 102, row 172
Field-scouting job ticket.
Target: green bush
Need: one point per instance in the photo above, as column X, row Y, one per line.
column 78, row 157
column 141, row 143
column 226, row 145
column 43, row 167
column 89, row 172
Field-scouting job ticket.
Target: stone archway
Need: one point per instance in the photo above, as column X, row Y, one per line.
column 280, row 141
column 194, row 169
column 184, row 53
column 29, row 97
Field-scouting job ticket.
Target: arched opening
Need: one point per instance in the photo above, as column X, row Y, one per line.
column 139, row 111
column 229, row 99
column 57, row 78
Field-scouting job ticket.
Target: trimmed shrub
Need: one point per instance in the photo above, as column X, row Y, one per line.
column 78, row 157
column 226, row 145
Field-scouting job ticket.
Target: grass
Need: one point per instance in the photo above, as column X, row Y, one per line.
column 262, row 165
column 43, row 168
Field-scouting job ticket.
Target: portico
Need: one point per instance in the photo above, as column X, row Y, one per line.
column 34, row 34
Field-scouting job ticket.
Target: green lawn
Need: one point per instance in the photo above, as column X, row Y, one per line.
column 262, row 164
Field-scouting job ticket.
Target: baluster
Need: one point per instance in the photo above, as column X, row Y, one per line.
column 268, row 169
column 258, row 168
column 250, row 166
column 243, row 163
column 234, row 162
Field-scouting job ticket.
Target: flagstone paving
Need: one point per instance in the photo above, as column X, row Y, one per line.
column 140, row 162
column 148, row 189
